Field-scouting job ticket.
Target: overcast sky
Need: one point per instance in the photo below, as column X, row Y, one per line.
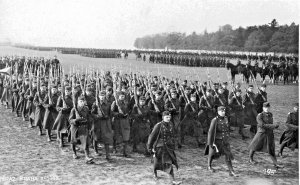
column 116, row 23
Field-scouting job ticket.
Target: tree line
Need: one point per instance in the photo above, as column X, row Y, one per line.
column 270, row 37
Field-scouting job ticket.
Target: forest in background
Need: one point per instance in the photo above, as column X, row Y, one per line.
column 270, row 37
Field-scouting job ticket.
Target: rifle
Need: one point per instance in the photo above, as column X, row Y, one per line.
column 168, row 94
column 264, row 98
column 136, row 101
column 97, row 94
column 205, row 97
column 233, row 91
column 115, row 95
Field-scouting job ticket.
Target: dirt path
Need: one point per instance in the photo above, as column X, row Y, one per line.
column 27, row 158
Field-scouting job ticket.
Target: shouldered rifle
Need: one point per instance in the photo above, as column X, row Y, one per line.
column 115, row 95
column 205, row 97
column 233, row 92
column 264, row 98
column 136, row 101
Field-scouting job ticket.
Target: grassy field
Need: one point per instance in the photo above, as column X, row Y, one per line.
column 25, row 154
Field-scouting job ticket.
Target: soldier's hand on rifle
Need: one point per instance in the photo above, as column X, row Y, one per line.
column 277, row 125
column 243, row 106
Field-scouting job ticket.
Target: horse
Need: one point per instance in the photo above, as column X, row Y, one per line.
column 265, row 71
column 238, row 69
column 138, row 56
column 275, row 73
column 294, row 72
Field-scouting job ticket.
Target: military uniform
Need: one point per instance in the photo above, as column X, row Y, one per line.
column 289, row 137
column 260, row 99
column 79, row 126
column 162, row 141
column 206, row 112
column 140, row 125
column 264, row 141
column 250, row 111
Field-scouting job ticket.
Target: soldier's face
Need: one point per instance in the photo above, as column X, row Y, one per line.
column 263, row 89
column 43, row 88
column 109, row 92
column 88, row 93
column 167, row 118
column 101, row 97
column 142, row 102
column 250, row 89
column 193, row 98
column 81, row 103
column 138, row 92
column 174, row 95
column 296, row 108
column 220, row 91
column 34, row 85
column 67, row 92
column 266, row 109
column 122, row 97
column 221, row 113
column 238, row 93
column 53, row 90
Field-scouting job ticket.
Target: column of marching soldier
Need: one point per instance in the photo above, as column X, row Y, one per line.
column 122, row 109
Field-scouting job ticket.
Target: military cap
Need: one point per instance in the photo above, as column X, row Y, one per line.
column 250, row 85
column 77, row 85
column 158, row 92
column 173, row 90
column 153, row 86
column 43, row 84
column 263, row 85
column 216, row 83
column 221, row 108
column 166, row 113
column 68, row 88
column 27, row 79
column 142, row 98
column 210, row 90
column 188, row 88
column 225, row 83
column 205, row 83
column 89, row 89
column 266, row 104
column 82, row 97
column 109, row 88
column 102, row 93
column 140, row 89
column 238, row 90
column 121, row 93
column 53, row 86
column 193, row 95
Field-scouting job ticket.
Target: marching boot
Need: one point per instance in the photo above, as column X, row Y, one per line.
column 231, row 171
column 210, row 159
column 30, row 123
column 49, row 135
column 251, row 161
column 134, row 149
column 40, row 131
column 95, row 145
column 125, row 154
column 242, row 133
column 107, row 152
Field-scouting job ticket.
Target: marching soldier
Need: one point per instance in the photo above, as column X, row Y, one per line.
column 289, row 137
column 207, row 111
column 141, row 124
column 261, row 98
column 79, row 128
column 102, row 129
column 263, row 140
column 157, row 108
column 237, row 117
column 161, row 142
column 250, row 109
column 173, row 105
column 218, row 141
column 64, row 106
column 30, row 107
column 120, row 124
column 50, row 110
column 39, row 101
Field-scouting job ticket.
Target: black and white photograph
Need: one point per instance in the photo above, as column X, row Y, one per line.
column 149, row 92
